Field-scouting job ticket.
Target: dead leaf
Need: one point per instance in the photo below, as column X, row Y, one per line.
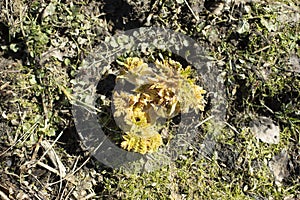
column 278, row 166
column 264, row 129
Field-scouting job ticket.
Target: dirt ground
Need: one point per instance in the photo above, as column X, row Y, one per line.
column 253, row 44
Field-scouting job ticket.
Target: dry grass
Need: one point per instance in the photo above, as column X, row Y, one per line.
column 255, row 45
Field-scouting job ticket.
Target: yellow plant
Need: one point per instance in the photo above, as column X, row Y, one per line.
column 143, row 142
column 160, row 92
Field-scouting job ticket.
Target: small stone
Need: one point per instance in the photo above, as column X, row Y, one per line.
column 264, row 129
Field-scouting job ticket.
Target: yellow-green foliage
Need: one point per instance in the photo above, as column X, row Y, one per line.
column 161, row 92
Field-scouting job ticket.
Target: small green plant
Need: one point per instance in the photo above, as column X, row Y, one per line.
column 159, row 94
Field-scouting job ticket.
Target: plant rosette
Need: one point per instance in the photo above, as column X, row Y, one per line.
column 147, row 97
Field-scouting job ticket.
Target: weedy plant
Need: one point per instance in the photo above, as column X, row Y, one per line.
column 151, row 96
